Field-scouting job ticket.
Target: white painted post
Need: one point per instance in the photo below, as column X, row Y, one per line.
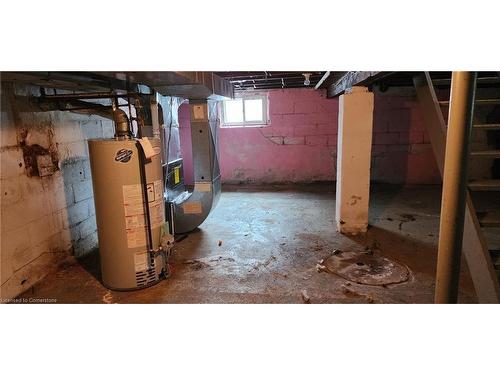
column 354, row 147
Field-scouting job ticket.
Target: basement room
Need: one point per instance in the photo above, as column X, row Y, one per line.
column 262, row 187
column 249, row 187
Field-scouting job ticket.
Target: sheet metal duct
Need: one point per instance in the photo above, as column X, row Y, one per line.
column 204, row 86
column 189, row 85
column 191, row 208
column 169, row 127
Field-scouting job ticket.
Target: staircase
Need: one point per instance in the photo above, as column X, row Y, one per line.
column 480, row 243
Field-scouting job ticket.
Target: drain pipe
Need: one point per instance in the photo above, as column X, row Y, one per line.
column 451, row 224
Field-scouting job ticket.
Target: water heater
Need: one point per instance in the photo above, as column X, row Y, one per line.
column 130, row 212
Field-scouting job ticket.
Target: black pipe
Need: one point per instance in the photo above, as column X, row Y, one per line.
column 142, row 170
column 122, row 123
column 88, row 95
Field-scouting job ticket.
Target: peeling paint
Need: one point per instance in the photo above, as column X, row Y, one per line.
column 33, row 163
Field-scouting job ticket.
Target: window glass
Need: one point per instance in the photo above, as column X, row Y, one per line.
column 245, row 111
column 233, row 111
column 253, row 110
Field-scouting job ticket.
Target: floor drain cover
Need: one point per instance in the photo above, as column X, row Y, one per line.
column 368, row 269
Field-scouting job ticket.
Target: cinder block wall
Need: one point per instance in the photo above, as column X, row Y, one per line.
column 300, row 142
column 43, row 219
column 401, row 150
column 299, row 145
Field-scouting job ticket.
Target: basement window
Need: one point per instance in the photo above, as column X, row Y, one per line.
column 245, row 111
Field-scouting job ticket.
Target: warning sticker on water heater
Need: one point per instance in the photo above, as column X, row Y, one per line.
column 141, row 261
column 133, row 204
column 136, row 237
column 158, row 190
column 132, row 200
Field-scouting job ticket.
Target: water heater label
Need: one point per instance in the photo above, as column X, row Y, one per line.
column 141, row 261
column 133, row 200
column 158, row 190
column 136, row 237
column 156, row 214
column 151, row 192
column 133, row 205
column 124, row 155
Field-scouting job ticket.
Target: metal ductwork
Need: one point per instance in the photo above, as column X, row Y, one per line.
column 188, row 85
column 204, row 85
column 190, row 208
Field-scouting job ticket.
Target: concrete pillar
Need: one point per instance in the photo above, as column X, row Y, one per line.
column 354, row 147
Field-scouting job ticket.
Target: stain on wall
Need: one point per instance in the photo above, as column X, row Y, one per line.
column 38, row 160
column 47, row 207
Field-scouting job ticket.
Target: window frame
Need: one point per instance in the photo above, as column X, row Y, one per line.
column 247, row 124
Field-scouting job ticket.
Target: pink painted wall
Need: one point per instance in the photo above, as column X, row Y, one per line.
column 300, row 143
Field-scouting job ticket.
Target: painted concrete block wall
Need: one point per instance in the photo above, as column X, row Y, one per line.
column 43, row 219
column 401, row 151
column 300, row 143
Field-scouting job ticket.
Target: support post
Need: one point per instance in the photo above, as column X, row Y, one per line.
column 451, row 224
column 354, row 147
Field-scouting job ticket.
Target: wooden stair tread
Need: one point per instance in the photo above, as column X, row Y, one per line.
column 486, row 154
column 489, row 218
column 486, row 126
column 484, row 185
column 480, row 80
column 495, row 257
column 476, row 102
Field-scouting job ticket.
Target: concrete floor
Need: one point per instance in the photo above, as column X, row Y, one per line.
column 272, row 239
